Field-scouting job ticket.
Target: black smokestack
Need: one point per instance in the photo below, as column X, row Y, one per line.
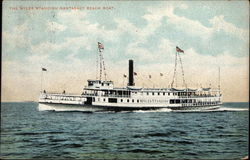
column 130, row 73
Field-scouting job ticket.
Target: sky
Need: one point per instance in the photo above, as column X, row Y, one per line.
column 62, row 37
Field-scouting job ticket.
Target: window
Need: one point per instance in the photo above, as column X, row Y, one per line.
column 137, row 100
column 163, row 93
column 133, row 100
column 121, row 100
column 147, row 93
column 168, row 93
column 112, row 100
column 127, row 100
column 184, row 101
column 175, row 101
column 103, row 99
column 158, row 93
column 153, row 93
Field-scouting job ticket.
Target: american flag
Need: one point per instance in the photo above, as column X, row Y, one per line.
column 179, row 50
column 100, row 45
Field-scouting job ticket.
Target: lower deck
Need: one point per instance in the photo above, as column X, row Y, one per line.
column 153, row 102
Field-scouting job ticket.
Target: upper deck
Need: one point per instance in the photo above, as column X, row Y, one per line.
column 151, row 92
column 61, row 98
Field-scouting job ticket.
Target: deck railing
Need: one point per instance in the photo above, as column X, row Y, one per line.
column 126, row 96
column 109, row 95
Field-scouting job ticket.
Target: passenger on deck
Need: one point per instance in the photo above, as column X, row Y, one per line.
column 44, row 91
column 63, row 91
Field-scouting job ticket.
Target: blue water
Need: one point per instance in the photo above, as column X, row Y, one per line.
column 29, row 133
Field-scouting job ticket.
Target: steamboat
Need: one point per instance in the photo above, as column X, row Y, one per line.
column 103, row 95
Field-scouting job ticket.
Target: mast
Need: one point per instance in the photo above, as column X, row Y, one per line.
column 97, row 63
column 177, row 55
column 219, row 79
column 41, row 87
column 183, row 77
column 219, row 84
column 174, row 77
column 43, row 70
column 100, row 61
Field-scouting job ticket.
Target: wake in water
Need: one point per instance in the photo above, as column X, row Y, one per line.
column 222, row 109
column 232, row 109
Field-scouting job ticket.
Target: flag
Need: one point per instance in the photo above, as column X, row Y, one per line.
column 179, row 50
column 161, row 74
column 44, row 69
column 149, row 76
column 124, row 75
column 100, row 45
column 135, row 73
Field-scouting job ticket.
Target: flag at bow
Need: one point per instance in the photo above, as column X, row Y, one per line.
column 100, row 45
column 44, row 69
column 179, row 50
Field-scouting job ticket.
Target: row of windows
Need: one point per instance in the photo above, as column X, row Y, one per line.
column 126, row 93
column 157, row 93
column 92, row 83
column 166, row 93
column 136, row 100
column 178, row 101
column 119, row 92
column 201, row 104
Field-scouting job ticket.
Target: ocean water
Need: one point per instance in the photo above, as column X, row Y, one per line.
column 28, row 133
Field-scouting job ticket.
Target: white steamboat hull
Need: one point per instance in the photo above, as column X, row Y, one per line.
column 43, row 106
column 67, row 107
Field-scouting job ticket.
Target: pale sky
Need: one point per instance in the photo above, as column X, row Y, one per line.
column 63, row 40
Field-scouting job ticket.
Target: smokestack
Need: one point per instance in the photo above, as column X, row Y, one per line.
column 130, row 73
